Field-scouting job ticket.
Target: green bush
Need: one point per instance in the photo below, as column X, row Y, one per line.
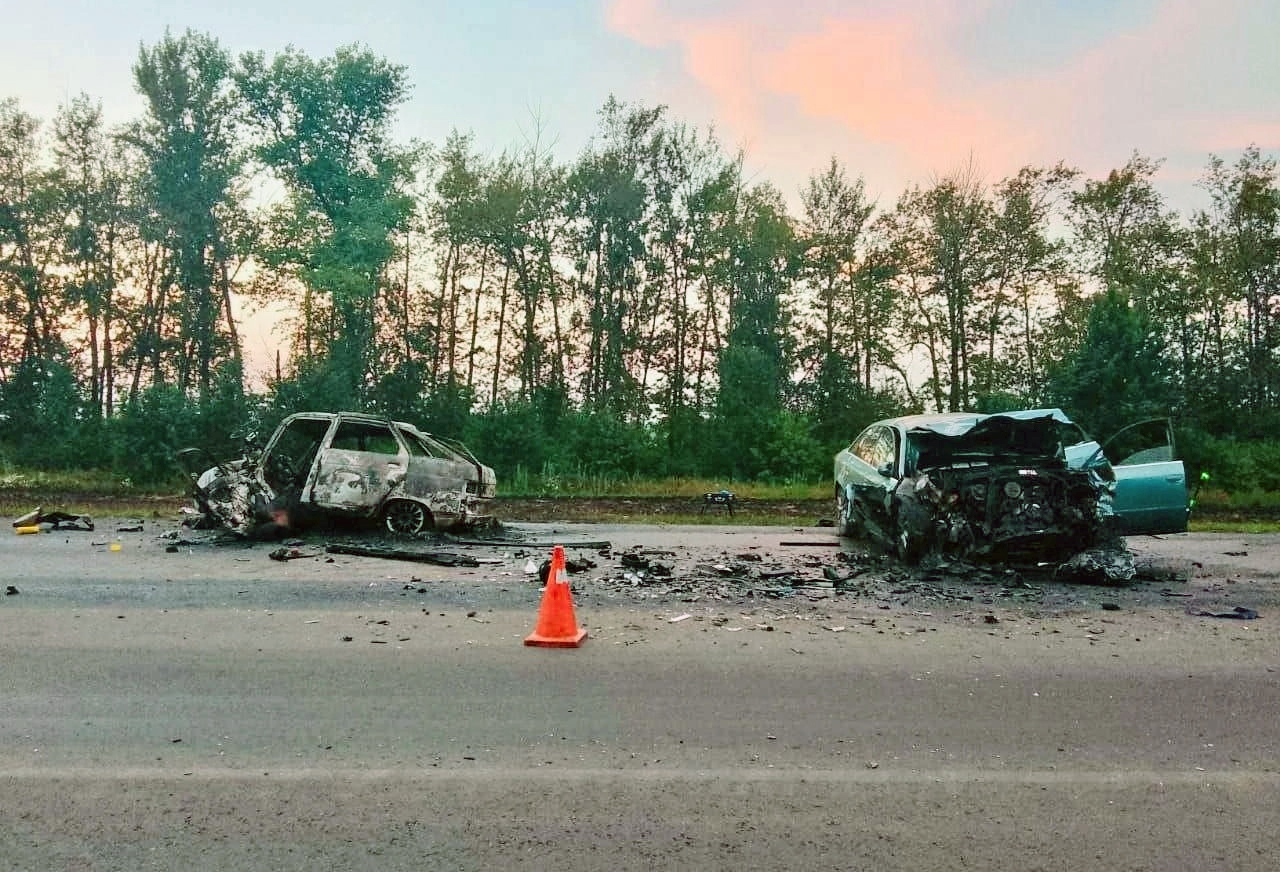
column 1234, row 467
column 148, row 433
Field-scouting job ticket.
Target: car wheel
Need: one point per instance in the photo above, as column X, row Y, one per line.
column 909, row 547
column 845, row 524
column 406, row 518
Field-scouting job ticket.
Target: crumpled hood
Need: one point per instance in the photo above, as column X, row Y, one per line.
column 996, row 438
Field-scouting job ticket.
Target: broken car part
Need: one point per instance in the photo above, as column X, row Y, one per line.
column 38, row 517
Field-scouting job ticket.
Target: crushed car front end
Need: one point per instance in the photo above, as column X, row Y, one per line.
column 1019, row 486
column 226, row 494
column 1001, row 511
column 1003, row 489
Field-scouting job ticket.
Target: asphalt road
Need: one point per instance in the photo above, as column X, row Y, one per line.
column 209, row 708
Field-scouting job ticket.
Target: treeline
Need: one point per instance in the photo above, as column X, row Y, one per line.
column 646, row 309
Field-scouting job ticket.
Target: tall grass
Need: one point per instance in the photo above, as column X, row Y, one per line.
column 551, row 482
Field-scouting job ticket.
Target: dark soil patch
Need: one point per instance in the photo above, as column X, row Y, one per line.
column 653, row 510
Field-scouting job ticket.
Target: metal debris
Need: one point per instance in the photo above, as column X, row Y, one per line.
column 438, row 558
column 55, row 520
column 1107, row 564
column 1239, row 613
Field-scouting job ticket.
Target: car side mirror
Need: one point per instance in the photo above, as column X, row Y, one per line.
column 885, row 469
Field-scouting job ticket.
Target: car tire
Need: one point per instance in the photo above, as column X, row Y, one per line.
column 845, row 524
column 909, row 548
column 911, row 522
column 406, row 518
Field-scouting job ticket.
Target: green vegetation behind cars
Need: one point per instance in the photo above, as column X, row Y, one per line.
column 672, row 501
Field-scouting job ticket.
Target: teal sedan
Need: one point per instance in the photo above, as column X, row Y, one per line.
column 1024, row 485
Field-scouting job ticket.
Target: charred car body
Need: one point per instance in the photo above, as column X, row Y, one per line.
column 1026, row 485
column 325, row 465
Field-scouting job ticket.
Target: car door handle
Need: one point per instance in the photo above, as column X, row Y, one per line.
column 1176, row 479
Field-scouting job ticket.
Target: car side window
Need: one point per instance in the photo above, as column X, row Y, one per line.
column 875, row 447
column 418, row 447
column 359, row 436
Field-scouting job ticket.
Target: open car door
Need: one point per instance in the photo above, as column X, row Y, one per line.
column 1151, row 485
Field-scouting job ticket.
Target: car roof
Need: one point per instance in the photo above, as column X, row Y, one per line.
column 362, row 417
column 955, row 423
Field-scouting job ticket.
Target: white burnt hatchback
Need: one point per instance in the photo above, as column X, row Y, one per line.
column 320, row 466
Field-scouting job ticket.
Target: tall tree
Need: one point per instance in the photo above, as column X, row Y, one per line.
column 524, row 220
column 753, row 365
column 31, row 220
column 1244, row 231
column 325, row 130
column 610, row 200
column 1119, row 373
column 692, row 184
column 92, row 172
column 188, row 141
column 39, row 394
column 850, row 312
column 1029, row 266
column 941, row 238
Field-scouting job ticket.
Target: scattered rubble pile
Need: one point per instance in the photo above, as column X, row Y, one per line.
column 796, row 571
column 867, row 575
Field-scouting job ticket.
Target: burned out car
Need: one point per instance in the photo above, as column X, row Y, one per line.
column 1019, row 486
column 321, row 466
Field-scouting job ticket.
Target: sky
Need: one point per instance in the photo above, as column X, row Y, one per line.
column 901, row 93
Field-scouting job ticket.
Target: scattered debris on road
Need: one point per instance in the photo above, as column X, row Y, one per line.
column 1239, row 613
column 438, row 558
column 770, row 570
column 55, row 520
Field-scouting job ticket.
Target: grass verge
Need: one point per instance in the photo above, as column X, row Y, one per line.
column 675, row 501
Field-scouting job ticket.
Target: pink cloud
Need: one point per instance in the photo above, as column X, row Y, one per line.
column 641, row 20
column 1223, row 135
column 892, row 82
column 886, row 78
column 895, row 81
column 716, row 52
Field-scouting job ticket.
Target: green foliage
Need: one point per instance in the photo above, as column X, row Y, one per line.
column 447, row 408
column 645, row 311
column 398, row 394
column 608, row 446
column 838, row 406
column 746, row 406
column 226, row 417
column 1119, row 373
column 786, row 450
column 320, row 385
column 187, row 140
column 1001, row 402
column 325, row 127
column 1234, row 466
column 41, row 417
column 510, row 436
column 149, row 432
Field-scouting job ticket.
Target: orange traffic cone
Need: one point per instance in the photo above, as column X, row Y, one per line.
column 557, row 627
